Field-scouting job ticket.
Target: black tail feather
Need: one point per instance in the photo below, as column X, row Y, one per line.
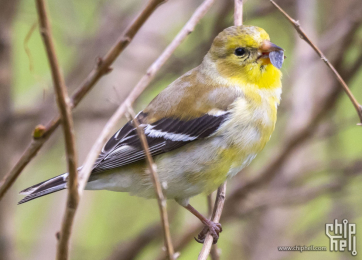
column 41, row 194
column 44, row 188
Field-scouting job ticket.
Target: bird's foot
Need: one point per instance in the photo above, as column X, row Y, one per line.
column 214, row 228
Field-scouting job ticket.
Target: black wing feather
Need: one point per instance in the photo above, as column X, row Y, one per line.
column 124, row 147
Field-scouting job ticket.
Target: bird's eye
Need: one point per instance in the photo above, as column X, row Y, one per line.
column 240, row 51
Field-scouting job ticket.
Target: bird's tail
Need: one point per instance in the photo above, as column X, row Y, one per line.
column 44, row 188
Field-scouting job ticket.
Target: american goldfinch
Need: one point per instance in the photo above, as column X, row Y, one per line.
column 202, row 129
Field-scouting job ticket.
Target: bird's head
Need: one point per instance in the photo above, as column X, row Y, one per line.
column 245, row 51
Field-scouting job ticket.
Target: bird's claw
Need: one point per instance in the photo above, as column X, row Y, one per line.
column 213, row 228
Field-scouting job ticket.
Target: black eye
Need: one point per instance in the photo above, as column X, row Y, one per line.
column 240, row 51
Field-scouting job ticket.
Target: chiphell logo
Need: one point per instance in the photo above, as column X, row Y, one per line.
column 342, row 236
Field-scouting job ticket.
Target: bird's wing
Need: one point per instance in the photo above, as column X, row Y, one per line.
column 164, row 135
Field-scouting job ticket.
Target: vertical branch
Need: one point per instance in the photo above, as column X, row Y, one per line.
column 157, row 186
column 214, row 253
column 64, row 106
column 304, row 36
column 219, row 205
column 238, row 12
column 220, row 197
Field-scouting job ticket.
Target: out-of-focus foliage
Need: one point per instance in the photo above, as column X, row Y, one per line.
column 84, row 30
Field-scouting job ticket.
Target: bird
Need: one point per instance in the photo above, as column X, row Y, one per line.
column 202, row 129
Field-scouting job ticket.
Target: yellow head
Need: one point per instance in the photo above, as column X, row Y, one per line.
column 245, row 54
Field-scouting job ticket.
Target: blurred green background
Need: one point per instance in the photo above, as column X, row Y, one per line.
column 318, row 180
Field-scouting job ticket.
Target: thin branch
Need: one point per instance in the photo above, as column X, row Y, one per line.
column 103, row 64
column 101, row 69
column 67, row 122
column 138, row 89
column 216, row 215
column 238, row 12
column 303, row 35
column 157, row 186
column 214, row 253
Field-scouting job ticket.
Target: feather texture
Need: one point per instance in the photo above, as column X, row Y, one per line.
column 162, row 136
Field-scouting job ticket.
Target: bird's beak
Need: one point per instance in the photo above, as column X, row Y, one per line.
column 271, row 53
column 268, row 46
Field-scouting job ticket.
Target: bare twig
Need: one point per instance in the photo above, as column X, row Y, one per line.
column 67, row 122
column 214, row 253
column 303, row 35
column 101, row 69
column 103, row 64
column 238, row 12
column 138, row 89
column 219, row 205
column 157, row 186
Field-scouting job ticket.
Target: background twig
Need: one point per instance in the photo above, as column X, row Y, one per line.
column 157, row 186
column 68, row 129
column 304, row 36
column 219, row 205
column 238, row 12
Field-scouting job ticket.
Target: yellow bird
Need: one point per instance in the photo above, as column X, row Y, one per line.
column 204, row 128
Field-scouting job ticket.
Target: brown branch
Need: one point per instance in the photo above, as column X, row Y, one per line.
column 238, row 12
column 68, row 129
column 216, row 215
column 103, row 64
column 303, row 35
column 138, row 89
column 101, row 69
column 157, row 186
column 214, row 253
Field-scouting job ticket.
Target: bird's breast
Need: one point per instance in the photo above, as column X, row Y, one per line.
column 249, row 127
